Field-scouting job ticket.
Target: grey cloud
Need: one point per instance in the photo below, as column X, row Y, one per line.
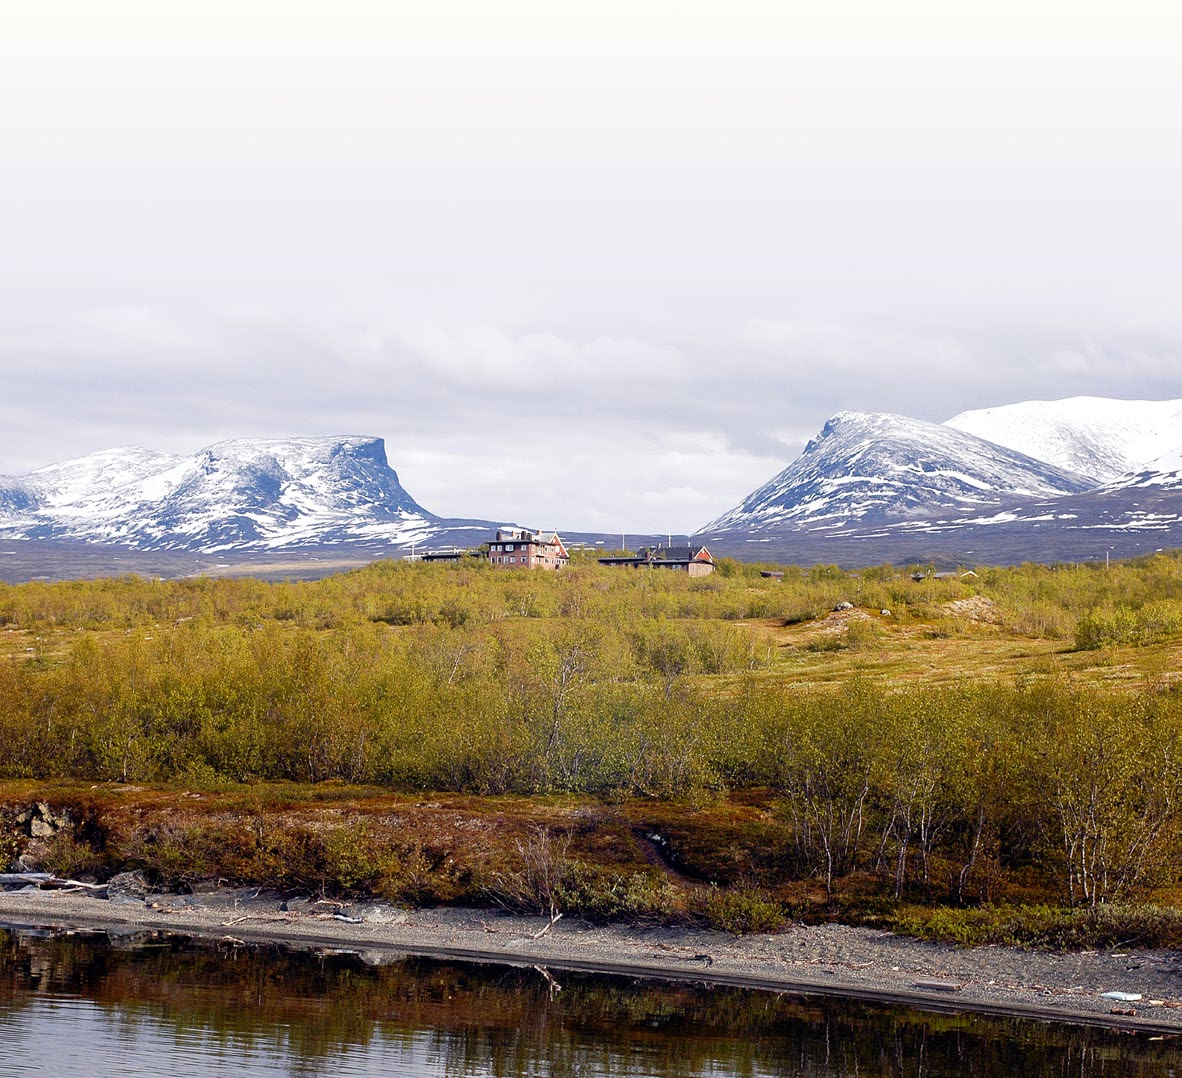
column 616, row 429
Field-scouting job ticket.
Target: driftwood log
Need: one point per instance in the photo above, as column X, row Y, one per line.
column 47, row 880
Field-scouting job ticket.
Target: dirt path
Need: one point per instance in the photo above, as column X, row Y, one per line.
column 827, row 959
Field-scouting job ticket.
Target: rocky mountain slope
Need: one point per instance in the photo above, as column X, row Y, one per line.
column 872, row 468
column 874, row 487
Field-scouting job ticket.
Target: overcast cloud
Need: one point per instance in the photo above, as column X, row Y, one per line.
column 599, row 265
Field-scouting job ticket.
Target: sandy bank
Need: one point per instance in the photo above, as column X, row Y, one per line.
column 828, row 959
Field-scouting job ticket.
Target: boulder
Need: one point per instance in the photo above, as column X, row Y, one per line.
column 127, row 885
column 380, row 914
column 42, row 821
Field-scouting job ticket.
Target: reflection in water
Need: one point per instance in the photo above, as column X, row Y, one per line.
column 153, row 1004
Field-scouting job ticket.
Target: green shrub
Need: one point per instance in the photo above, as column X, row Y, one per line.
column 412, row 877
column 12, row 842
column 601, row 895
column 1122, row 624
column 863, row 633
column 742, row 912
column 1050, row 927
column 828, row 641
column 1102, row 627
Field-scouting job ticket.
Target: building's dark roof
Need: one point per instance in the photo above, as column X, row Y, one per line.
column 663, row 555
column 447, row 555
column 672, row 553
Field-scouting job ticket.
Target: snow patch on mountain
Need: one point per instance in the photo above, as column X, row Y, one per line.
column 1165, row 472
column 1094, row 436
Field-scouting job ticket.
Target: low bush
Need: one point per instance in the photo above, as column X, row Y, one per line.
column 71, row 858
column 601, row 895
column 1049, row 927
column 742, row 912
column 1121, row 624
column 534, row 884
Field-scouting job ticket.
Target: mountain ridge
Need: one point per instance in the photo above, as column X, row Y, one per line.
column 1164, row 472
column 869, row 485
column 1100, row 437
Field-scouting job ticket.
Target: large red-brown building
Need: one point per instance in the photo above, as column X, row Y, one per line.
column 520, row 548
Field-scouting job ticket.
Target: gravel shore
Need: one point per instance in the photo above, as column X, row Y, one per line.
column 826, row 959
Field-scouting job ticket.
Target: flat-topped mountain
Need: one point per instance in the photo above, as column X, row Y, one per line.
column 243, row 494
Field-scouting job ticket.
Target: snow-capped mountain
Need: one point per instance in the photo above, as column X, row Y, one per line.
column 870, row 487
column 1094, row 436
column 245, row 494
column 873, row 468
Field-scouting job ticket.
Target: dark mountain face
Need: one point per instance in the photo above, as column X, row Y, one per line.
column 16, row 497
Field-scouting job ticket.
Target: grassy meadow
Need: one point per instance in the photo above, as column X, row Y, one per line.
column 994, row 755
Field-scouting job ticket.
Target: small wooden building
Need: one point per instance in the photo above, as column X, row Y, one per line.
column 694, row 560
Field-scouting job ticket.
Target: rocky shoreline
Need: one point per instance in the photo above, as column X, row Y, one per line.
column 1139, row 990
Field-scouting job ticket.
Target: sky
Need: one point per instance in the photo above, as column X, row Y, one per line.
column 593, row 266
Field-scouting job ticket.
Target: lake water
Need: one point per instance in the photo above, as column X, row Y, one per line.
column 154, row 1004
